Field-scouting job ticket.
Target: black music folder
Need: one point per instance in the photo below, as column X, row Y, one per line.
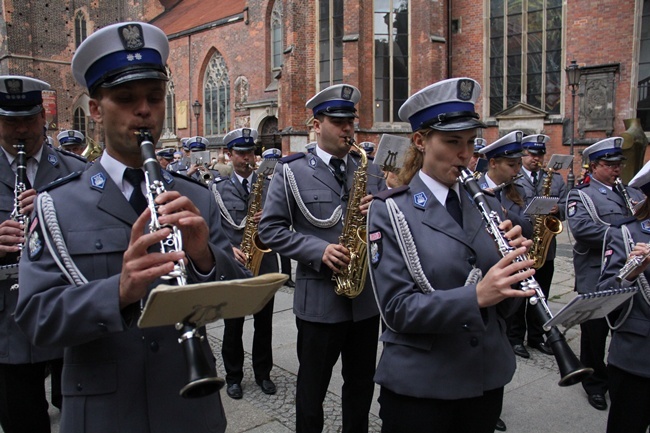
column 9, row 272
column 589, row 306
column 205, row 303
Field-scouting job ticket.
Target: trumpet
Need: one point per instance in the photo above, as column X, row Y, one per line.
column 201, row 381
column 571, row 370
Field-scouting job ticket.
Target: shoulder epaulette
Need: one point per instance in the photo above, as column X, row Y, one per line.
column 293, row 157
column 60, row 181
column 68, row 153
column 623, row 221
column 582, row 185
column 220, row 179
column 383, row 195
column 185, row 177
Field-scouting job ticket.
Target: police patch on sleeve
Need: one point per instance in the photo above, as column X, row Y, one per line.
column 375, row 248
column 34, row 241
column 571, row 208
column 645, row 226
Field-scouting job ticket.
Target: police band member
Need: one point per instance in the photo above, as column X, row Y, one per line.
column 446, row 353
column 479, row 143
column 72, row 141
column 233, row 194
column 629, row 350
column 165, row 157
column 198, row 169
column 504, row 161
column 181, row 161
column 302, row 220
column 533, row 179
column 591, row 208
column 23, row 407
column 118, row 377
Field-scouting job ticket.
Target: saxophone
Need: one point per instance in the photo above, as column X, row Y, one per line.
column 251, row 245
column 545, row 227
column 352, row 278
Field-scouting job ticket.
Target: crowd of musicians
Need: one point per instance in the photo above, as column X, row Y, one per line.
column 448, row 300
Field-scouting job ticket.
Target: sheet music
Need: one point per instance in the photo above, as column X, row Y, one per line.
column 541, row 205
column 590, row 306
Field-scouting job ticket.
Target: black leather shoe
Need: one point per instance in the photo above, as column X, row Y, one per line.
column 290, row 283
column 598, row 401
column 234, row 391
column 520, row 350
column 501, row 426
column 267, row 385
column 542, row 347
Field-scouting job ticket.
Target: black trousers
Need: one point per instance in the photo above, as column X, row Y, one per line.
column 232, row 348
column 400, row 413
column 592, row 354
column 630, row 395
column 524, row 319
column 319, row 347
column 23, row 406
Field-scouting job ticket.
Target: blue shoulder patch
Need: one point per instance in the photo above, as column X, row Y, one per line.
column 645, row 226
column 61, row 181
column 383, row 195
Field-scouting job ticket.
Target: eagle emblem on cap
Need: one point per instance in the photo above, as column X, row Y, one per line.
column 70, row 133
column 131, row 37
column 246, row 133
column 465, row 90
column 540, row 139
column 346, row 92
column 14, row 86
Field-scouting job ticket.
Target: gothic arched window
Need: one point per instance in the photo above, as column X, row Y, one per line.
column 216, row 90
column 80, row 33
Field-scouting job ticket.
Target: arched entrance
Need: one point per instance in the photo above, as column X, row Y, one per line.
column 269, row 136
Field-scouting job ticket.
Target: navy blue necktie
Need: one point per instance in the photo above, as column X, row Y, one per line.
column 135, row 177
column 453, row 206
column 339, row 170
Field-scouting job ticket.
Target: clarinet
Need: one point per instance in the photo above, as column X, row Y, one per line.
column 618, row 185
column 16, row 214
column 571, row 370
column 201, row 381
column 155, row 187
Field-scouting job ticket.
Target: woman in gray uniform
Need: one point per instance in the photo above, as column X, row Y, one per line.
column 446, row 353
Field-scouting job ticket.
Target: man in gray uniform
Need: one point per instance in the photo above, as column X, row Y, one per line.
column 23, row 407
column 302, row 220
column 533, row 180
column 234, row 196
column 591, row 208
column 116, row 376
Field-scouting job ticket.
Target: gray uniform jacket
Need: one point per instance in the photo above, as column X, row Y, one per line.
column 438, row 344
column 629, row 349
column 236, row 202
column 116, row 376
column 558, row 189
column 588, row 233
column 314, row 297
column 15, row 347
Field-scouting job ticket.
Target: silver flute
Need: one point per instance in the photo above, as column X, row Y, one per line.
column 155, row 187
column 631, row 264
